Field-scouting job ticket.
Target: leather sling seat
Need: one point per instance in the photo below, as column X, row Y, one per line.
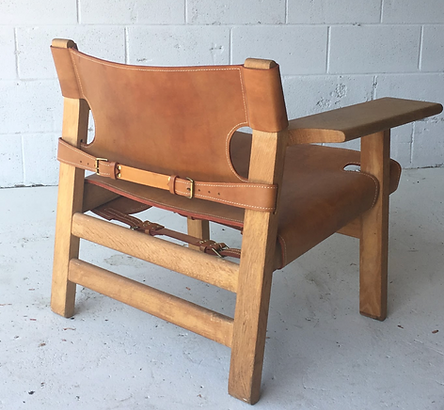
column 318, row 196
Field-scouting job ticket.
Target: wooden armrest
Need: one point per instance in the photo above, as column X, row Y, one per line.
column 345, row 124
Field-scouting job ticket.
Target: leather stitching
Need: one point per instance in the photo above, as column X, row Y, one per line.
column 373, row 178
column 227, row 148
column 229, row 202
column 230, row 134
column 138, row 68
column 132, row 68
column 165, row 205
column 203, row 185
column 77, row 165
column 79, row 83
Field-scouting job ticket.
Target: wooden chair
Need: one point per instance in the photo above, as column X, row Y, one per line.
column 167, row 138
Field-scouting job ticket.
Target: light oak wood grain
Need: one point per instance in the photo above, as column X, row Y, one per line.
column 188, row 315
column 345, row 124
column 189, row 262
column 375, row 160
column 70, row 199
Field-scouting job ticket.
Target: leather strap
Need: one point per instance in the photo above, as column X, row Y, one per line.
column 254, row 196
column 154, row 229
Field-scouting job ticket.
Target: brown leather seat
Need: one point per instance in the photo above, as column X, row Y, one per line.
column 318, row 196
column 167, row 137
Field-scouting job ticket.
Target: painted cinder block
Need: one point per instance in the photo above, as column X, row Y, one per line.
column 40, row 159
column 374, row 49
column 178, row 45
column 426, row 86
column 401, row 152
column 334, row 12
column 433, row 48
column 34, row 54
column 365, row 59
column 30, row 106
column 132, row 12
column 428, row 143
column 7, row 53
column 306, row 95
column 428, row 134
column 11, row 160
column 21, row 12
column 297, row 49
column 236, row 12
column 413, row 11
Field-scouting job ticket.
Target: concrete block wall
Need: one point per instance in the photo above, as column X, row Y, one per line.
column 332, row 53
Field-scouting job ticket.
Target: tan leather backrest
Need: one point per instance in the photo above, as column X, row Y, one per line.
column 171, row 120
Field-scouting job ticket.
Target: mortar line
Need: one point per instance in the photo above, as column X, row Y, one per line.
column 23, row 159
column 327, row 63
column 78, row 11
column 230, row 47
column 16, row 53
column 286, row 12
column 412, row 140
column 421, row 47
column 126, row 45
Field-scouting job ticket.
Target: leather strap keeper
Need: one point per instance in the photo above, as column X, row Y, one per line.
column 253, row 196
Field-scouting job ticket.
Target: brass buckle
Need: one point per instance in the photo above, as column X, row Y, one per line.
column 96, row 164
column 191, row 188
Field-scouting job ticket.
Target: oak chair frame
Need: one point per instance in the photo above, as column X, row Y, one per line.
column 251, row 279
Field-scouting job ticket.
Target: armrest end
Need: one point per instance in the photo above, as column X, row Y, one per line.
column 345, row 124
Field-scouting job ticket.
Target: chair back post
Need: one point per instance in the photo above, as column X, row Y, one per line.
column 256, row 266
column 70, row 201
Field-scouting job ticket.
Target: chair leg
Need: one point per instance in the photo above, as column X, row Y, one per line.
column 70, row 201
column 375, row 157
column 199, row 229
column 250, row 321
column 255, row 273
column 66, row 246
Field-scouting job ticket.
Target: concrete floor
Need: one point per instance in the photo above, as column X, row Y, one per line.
column 320, row 353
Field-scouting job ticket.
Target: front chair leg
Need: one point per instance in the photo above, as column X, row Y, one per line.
column 375, row 160
column 255, row 274
column 250, row 320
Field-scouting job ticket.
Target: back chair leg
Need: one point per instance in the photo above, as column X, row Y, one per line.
column 375, row 157
column 199, row 229
column 70, row 198
column 66, row 246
